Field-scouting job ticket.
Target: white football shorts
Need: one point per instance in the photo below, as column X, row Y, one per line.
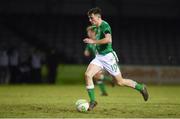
column 108, row 62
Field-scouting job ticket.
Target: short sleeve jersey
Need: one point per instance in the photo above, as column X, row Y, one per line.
column 103, row 29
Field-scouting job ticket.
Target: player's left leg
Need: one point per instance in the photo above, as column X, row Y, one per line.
column 109, row 62
column 99, row 77
column 133, row 84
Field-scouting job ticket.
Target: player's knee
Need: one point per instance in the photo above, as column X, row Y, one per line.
column 120, row 82
column 97, row 76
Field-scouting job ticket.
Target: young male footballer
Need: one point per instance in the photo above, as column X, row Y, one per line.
column 105, row 59
column 90, row 50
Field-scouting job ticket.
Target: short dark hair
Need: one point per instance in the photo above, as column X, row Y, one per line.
column 95, row 10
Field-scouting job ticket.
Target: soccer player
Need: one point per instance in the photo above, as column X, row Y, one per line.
column 105, row 58
column 90, row 50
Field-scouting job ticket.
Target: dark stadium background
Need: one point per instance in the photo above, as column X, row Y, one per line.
column 42, row 64
column 146, row 33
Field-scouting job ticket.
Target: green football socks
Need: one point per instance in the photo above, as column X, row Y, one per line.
column 91, row 94
column 102, row 86
column 139, row 87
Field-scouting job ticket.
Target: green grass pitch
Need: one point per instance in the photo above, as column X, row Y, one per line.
column 59, row 101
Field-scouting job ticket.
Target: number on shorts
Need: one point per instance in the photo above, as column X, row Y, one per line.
column 114, row 67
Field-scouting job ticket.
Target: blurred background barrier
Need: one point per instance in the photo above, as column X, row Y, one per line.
column 74, row 74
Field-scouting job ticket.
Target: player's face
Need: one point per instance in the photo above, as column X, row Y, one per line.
column 93, row 19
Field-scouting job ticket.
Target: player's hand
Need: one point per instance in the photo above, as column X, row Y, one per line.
column 86, row 53
column 88, row 40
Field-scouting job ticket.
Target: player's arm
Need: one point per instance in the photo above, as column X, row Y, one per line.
column 107, row 39
column 86, row 53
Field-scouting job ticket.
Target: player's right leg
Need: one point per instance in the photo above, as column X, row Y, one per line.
column 109, row 78
column 90, row 72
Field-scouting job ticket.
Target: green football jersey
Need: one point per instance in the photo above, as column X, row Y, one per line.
column 103, row 29
column 91, row 48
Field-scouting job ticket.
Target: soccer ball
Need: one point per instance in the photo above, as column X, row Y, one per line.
column 82, row 105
